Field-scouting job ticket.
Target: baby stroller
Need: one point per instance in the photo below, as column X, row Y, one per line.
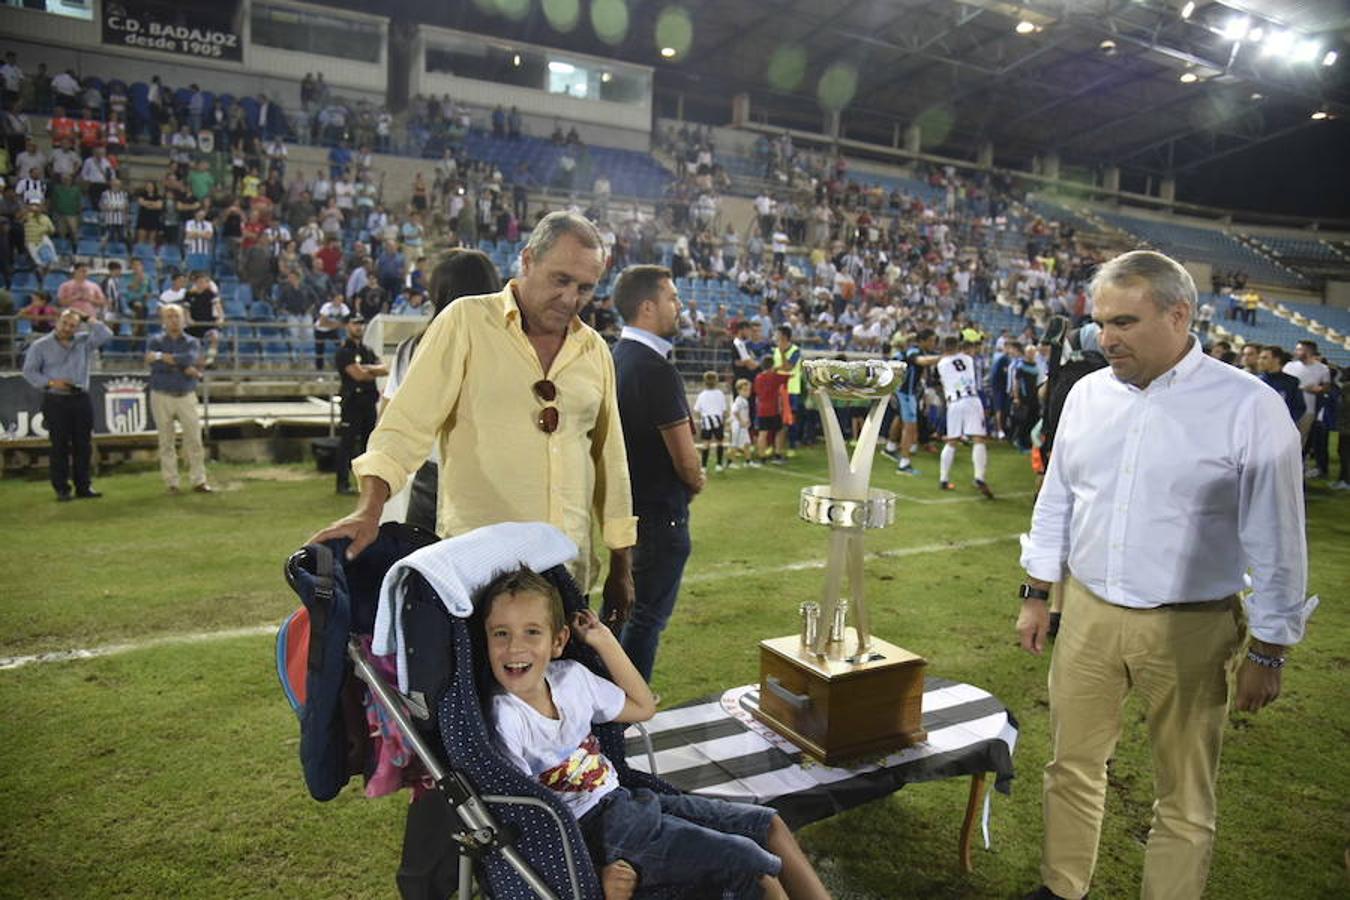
column 485, row 821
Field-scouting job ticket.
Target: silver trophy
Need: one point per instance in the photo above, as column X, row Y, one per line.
column 847, row 504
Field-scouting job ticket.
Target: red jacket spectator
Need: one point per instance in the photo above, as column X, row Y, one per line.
column 330, row 257
column 91, row 133
column 61, row 128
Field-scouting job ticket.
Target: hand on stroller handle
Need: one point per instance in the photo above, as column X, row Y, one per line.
column 362, row 525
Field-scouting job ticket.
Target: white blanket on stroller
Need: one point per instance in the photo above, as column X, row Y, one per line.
column 456, row 568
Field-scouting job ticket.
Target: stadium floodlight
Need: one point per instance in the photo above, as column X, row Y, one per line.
column 1189, row 78
column 1256, row 34
column 1306, row 51
column 515, row 60
column 1188, row 9
column 558, row 67
column 1257, row 96
column 1279, row 43
column 1237, row 28
column 1025, row 27
column 668, row 52
column 1108, row 47
column 606, row 77
column 1330, row 58
column 1319, row 115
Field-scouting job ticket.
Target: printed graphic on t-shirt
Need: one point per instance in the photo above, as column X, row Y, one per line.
column 585, row 770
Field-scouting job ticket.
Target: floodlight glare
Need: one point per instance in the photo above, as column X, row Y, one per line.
column 1306, row 52
column 1107, row 46
column 1189, row 78
column 668, row 52
column 1256, row 34
column 1025, row 27
column 606, row 77
column 1330, row 58
column 1188, row 9
column 1319, row 115
column 1281, row 42
column 515, row 60
column 1257, row 96
column 1236, row 29
column 559, row 67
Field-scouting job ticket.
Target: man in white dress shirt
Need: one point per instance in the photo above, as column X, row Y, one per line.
column 1173, row 473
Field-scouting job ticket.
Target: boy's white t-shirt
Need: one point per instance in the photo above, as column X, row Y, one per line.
column 563, row 753
column 711, row 406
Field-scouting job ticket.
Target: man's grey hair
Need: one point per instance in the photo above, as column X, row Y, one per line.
column 556, row 224
column 1168, row 281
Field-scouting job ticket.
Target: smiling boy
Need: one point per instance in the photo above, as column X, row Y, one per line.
column 542, row 716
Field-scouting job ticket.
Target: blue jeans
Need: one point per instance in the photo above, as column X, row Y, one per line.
column 686, row 840
column 658, row 565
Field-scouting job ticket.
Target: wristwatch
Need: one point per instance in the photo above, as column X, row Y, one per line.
column 1027, row 592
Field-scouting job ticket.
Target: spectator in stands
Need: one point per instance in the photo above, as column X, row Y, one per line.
column 40, row 312
column 96, row 173
column 7, row 241
column 136, row 295
column 11, row 80
column 30, row 157
column 67, row 205
column 58, row 365
column 257, row 268
column 66, row 90
column 65, row 160
column 332, row 317
column 205, row 314
column 81, row 294
column 113, row 292
column 175, row 360
column 1250, row 359
column 113, row 208
column 296, row 305
column 149, row 214
column 1271, row 360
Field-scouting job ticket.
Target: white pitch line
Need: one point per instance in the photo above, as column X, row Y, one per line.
column 197, row 637
column 820, row 563
column 200, row 637
column 806, row 476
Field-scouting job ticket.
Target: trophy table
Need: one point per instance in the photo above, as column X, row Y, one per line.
column 835, row 690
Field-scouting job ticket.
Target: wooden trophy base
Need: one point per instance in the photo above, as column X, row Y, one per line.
column 836, row 710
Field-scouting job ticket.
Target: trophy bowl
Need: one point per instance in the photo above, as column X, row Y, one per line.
column 867, row 379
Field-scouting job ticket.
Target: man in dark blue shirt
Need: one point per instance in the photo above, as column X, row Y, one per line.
column 58, row 365
column 174, row 358
column 663, row 463
column 905, row 426
column 1270, row 363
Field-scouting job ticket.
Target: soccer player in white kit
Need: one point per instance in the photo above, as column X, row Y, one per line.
column 965, row 414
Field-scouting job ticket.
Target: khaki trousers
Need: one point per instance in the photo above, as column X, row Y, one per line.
column 1179, row 658
column 168, row 408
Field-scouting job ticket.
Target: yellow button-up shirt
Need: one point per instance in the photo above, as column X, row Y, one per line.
column 470, row 388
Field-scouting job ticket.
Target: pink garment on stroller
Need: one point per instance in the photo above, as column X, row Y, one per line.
column 396, row 766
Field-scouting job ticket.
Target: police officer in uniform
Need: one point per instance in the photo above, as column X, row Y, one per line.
column 359, row 367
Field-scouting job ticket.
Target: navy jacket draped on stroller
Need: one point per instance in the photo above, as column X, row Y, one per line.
column 517, row 839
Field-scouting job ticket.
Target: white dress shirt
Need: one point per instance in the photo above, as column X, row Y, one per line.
column 1168, row 494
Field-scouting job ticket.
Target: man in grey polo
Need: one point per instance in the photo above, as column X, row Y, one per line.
column 58, row 365
column 174, row 358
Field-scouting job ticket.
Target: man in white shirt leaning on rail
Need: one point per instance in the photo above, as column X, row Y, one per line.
column 1173, row 473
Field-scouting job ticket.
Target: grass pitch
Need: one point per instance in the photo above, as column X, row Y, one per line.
column 171, row 769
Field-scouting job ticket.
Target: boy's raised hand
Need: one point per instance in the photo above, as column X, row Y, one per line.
column 588, row 628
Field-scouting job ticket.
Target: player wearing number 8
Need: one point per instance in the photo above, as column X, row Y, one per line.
column 965, row 413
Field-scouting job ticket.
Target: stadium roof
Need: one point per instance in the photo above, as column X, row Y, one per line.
column 1098, row 81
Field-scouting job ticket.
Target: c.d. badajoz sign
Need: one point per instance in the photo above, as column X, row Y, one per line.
column 170, row 29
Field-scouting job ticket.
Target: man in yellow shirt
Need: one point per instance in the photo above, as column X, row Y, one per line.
column 520, row 396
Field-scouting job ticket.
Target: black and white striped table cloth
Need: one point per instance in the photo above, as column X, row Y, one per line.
column 717, row 748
